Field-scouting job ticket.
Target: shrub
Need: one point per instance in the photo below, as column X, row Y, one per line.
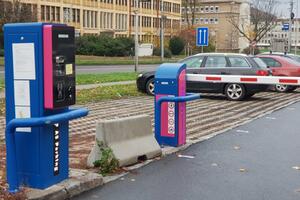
column 157, row 52
column 176, row 45
column 103, row 45
column 1, row 52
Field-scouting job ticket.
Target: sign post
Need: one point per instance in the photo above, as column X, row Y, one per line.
column 202, row 37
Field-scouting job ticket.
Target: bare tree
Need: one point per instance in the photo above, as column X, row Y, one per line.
column 189, row 11
column 15, row 11
column 262, row 18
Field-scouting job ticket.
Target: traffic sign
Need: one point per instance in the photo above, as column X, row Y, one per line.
column 285, row 27
column 202, row 36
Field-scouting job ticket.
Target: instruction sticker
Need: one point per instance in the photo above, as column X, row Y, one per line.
column 171, row 118
column 22, row 93
column 69, row 69
column 23, row 112
column 23, row 61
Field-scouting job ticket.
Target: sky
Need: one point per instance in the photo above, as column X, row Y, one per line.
column 284, row 7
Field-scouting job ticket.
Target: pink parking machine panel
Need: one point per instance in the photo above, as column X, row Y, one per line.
column 48, row 67
column 182, row 109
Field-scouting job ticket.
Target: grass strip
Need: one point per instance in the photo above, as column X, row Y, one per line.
column 107, row 93
column 82, row 79
column 99, row 60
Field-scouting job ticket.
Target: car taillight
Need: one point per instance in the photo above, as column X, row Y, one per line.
column 262, row 73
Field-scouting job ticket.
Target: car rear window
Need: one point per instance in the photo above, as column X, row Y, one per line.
column 238, row 62
column 295, row 58
column 271, row 62
column 292, row 61
column 259, row 62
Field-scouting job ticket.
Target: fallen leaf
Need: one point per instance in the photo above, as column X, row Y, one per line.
column 214, row 164
column 242, row 131
column 243, row 170
column 185, row 156
column 296, row 167
column 132, row 179
column 236, row 147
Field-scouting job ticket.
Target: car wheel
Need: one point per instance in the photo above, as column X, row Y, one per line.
column 292, row 88
column 249, row 95
column 150, row 86
column 235, row 92
column 281, row 88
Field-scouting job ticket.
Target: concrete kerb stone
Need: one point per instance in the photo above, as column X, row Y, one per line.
column 130, row 139
column 58, row 192
column 80, row 181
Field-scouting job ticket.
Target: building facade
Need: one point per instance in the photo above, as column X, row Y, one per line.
column 278, row 33
column 216, row 15
column 114, row 17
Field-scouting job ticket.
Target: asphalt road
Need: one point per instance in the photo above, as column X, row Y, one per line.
column 255, row 161
column 91, row 69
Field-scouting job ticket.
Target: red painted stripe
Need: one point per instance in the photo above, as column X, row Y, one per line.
column 288, row 81
column 209, row 78
column 249, row 79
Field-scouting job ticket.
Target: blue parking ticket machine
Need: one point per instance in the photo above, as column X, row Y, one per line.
column 40, row 87
column 170, row 106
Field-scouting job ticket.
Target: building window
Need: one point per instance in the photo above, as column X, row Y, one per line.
column 78, row 16
column 201, row 20
column 216, row 20
column 201, row 9
column 212, row 21
column 217, row 8
column 206, row 21
column 43, row 13
column 52, row 13
column 73, row 15
column 211, row 9
column 58, row 14
column 206, row 9
column 48, row 13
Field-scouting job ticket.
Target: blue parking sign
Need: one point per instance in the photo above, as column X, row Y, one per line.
column 202, row 36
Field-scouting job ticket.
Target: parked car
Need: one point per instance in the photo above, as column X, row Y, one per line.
column 282, row 66
column 216, row 63
column 286, row 55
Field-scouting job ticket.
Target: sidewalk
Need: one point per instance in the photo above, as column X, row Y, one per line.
column 88, row 86
column 259, row 160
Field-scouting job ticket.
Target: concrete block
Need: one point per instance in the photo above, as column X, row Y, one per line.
column 130, row 138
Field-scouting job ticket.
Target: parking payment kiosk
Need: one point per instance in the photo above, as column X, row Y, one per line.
column 170, row 106
column 40, row 87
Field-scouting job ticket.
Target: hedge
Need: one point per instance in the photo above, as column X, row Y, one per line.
column 103, row 45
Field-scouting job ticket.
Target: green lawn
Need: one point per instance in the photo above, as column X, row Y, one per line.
column 82, row 79
column 98, row 60
column 106, row 93
column 2, row 61
column 1, row 84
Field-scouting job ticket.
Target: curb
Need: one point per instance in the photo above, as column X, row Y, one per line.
column 80, row 181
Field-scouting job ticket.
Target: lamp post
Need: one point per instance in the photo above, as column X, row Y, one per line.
column 136, row 36
column 162, row 19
